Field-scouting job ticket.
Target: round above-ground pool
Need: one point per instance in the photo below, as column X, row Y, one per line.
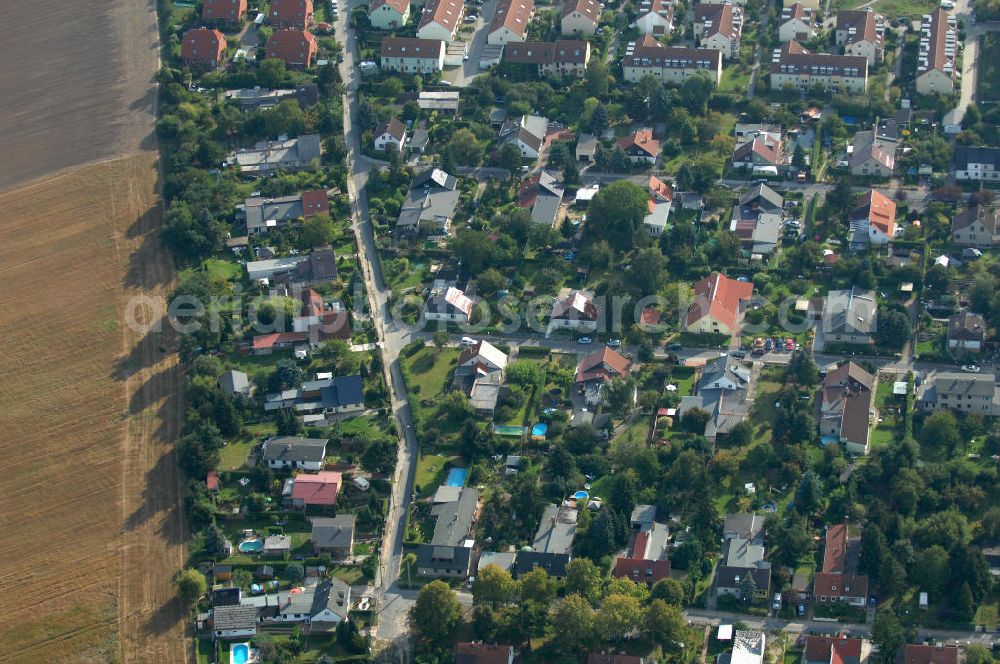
column 539, row 430
column 251, row 546
column 456, row 477
column 581, row 495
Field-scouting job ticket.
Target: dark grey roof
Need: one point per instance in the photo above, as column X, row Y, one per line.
column 981, row 385
column 335, row 533
column 764, row 196
column 443, row 557
column 553, row 563
column 332, row 594
column 747, row 526
column 294, row 448
column 454, row 519
column 728, row 577
column 643, row 514
column 323, row 264
column 434, row 178
column 966, row 326
column 850, row 312
column 343, row 391
column 968, row 154
column 260, row 210
column 235, row 617
column 225, row 597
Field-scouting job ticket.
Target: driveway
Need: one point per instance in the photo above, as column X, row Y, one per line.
column 462, row 76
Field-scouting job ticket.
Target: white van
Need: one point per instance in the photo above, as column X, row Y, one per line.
column 468, row 341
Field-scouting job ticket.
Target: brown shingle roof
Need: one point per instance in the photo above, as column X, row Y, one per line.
column 641, row 140
column 513, row 15
column 648, row 52
column 863, row 24
column 297, row 12
column 988, row 216
column 918, row 653
column 395, row 128
column 718, row 19
column 936, row 53
column 223, row 10
column 482, row 653
column 566, row 51
column 401, row 6
column 295, row 47
column 966, row 326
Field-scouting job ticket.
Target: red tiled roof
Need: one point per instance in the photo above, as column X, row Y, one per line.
column 820, row 648
column 212, row 481
column 642, row 140
column 295, row 47
column 661, row 189
column 650, row 316
column 203, row 45
column 917, row 653
column 719, row 296
column 291, row 12
column 641, row 571
column 878, row 209
column 840, row 585
column 794, row 58
column 576, row 306
column 262, row 341
column 513, row 15
column 863, row 23
column 223, row 10
column 446, row 13
column 394, row 127
column 315, row 202
column 606, row 363
column 648, row 52
column 835, row 550
column 401, row 6
column 318, row 489
column 589, row 8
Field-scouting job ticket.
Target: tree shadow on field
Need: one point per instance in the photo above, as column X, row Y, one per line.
column 158, row 387
column 157, row 342
column 158, row 501
column 166, row 617
column 149, row 266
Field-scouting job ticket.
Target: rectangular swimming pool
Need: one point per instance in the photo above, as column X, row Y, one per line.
column 456, row 477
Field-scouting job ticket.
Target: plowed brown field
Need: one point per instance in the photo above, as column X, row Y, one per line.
column 91, row 528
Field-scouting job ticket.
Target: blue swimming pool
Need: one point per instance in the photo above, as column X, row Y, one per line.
column 240, row 653
column 456, row 477
column 581, row 495
column 539, row 430
column 252, row 546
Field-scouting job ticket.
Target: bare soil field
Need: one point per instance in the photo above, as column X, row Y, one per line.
column 92, row 523
column 90, row 493
column 75, row 85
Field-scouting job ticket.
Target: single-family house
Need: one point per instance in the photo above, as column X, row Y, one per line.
column 409, row 55
column 449, row 553
column 840, row 649
column 480, row 374
column 640, row 147
column 223, row 12
column 430, row 203
column 922, row 653
column 291, row 452
column 322, row 320
column 872, row 160
column 526, row 132
column 597, row 369
column 297, row 48
column 966, row 331
column 333, row 536
column 849, row 316
column 586, row 147
column 330, row 395
column 321, row 605
column 388, row 14
column 266, row 214
column 938, row 49
column 510, row 22
column 448, row 303
column 760, row 151
column 797, row 23
column 563, row 57
column 661, row 199
column 742, row 558
column 794, row 67
column 718, row 305
column 872, row 221
column 552, row 547
column 720, row 27
column 478, row 652
column 316, row 489
column 744, row 525
column 203, row 48
column 977, row 163
column 723, row 391
column 838, row 580
column 655, row 17
column 758, row 233
column 580, row 18
column 235, row 383
column 647, row 562
column 249, row 99
column 440, row 20
column 282, row 155
column 643, row 517
column 542, row 194
column 291, row 14
column 846, row 407
column 576, row 312
column 761, row 198
column 234, row 621
column 860, row 33
column 976, row 394
column 669, row 64
column 390, row 135
column 976, row 226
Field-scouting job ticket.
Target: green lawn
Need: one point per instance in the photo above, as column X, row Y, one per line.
column 735, row 78
column 892, row 8
column 225, row 270
column 432, row 470
column 637, row 430
column 349, row 575
column 235, row 453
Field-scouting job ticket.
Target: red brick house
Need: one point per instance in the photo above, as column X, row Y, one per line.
column 223, row 12
column 295, row 14
column 297, row 48
column 203, row 48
